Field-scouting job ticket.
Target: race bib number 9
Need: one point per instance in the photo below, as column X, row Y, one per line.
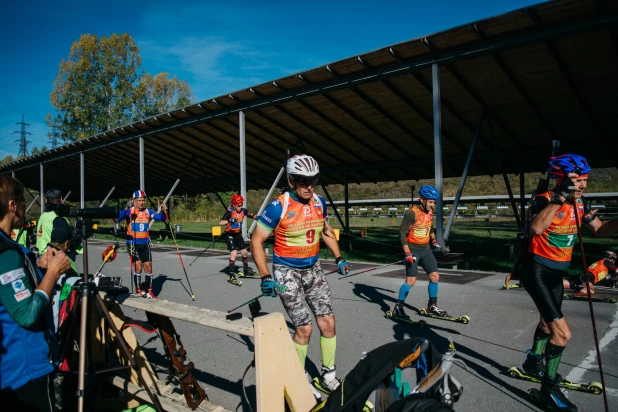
column 300, row 238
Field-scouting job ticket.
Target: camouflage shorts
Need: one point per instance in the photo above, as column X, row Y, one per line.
column 308, row 291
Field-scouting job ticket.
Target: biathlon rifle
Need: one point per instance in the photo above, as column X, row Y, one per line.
column 183, row 371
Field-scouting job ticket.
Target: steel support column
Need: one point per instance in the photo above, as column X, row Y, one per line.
column 12, row 174
column 243, row 166
column 335, row 211
column 42, row 190
column 82, row 186
column 142, row 178
column 437, row 150
column 505, row 177
column 464, row 176
column 346, row 197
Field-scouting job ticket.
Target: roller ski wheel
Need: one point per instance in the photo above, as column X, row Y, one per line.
column 462, row 319
column 234, row 281
column 249, row 275
column 568, row 296
column 535, row 396
column 390, row 315
column 594, row 388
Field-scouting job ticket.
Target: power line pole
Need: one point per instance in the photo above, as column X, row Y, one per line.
column 23, row 140
column 53, row 137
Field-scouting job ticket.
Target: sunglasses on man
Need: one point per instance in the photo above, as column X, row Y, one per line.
column 305, row 181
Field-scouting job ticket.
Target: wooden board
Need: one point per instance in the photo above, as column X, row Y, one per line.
column 204, row 317
column 170, row 400
column 277, row 368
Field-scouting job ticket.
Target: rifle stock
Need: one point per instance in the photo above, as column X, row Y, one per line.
column 192, row 390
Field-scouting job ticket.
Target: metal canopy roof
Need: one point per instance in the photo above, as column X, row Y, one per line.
column 541, row 73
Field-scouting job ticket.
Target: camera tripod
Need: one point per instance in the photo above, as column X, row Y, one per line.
column 87, row 289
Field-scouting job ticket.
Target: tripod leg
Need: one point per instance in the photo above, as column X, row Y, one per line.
column 125, row 351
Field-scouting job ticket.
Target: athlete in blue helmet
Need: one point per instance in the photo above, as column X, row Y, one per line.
column 553, row 235
column 418, row 238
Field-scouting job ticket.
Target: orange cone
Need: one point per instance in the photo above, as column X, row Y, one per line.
column 362, row 232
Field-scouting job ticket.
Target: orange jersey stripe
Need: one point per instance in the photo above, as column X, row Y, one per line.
column 418, row 233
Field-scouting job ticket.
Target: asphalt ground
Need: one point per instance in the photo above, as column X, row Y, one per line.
column 501, row 328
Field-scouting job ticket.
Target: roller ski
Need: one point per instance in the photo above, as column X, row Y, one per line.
column 594, row 388
column 399, row 315
column 433, row 311
column 583, row 296
column 232, row 279
column 328, row 381
column 247, row 272
column 550, row 397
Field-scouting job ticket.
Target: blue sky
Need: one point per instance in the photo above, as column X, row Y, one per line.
column 216, row 46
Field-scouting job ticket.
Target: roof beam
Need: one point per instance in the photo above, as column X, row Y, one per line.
column 475, row 95
column 255, row 163
column 518, row 86
column 579, row 96
column 493, row 45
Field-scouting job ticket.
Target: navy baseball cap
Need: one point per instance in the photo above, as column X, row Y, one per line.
column 53, row 194
column 61, row 231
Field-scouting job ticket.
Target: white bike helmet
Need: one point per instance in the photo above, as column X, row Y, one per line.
column 302, row 165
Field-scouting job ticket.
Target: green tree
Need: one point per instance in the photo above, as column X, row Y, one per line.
column 159, row 94
column 95, row 87
column 7, row 160
column 34, row 151
column 101, row 86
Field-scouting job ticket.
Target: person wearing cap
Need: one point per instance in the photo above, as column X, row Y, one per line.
column 554, row 233
column 138, row 233
column 233, row 220
column 27, row 340
column 53, row 200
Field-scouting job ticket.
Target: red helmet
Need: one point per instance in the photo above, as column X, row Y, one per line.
column 237, row 200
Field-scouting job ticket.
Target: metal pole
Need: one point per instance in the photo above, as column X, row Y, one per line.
column 332, row 204
column 42, row 192
column 142, row 178
column 12, row 174
column 108, row 195
column 505, row 177
column 522, row 195
column 437, row 150
column 66, row 196
column 267, row 199
column 464, row 176
column 243, row 166
column 169, row 194
column 82, row 186
column 347, row 202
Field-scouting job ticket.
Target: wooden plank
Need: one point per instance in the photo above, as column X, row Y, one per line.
column 277, row 368
column 171, row 402
column 200, row 316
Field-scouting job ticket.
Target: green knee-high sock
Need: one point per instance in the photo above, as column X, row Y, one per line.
column 553, row 354
column 540, row 340
column 301, row 350
column 328, row 347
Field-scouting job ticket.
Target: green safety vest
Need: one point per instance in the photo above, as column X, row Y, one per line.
column 43, row 232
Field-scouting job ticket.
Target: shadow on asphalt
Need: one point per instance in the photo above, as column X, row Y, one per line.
column 474, row 360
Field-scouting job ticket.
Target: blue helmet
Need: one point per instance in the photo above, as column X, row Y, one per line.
column 567, row 163
column 428, row 192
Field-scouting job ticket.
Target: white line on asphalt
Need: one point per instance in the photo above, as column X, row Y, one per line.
column 577, row 373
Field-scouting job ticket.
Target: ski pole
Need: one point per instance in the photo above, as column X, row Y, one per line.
column 369, row 270
column 179, row 255
column 198, row 256
column 594, row 323
column 246, row 303
column 107, row 257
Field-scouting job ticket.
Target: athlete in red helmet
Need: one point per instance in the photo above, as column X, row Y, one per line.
column 233, row 220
